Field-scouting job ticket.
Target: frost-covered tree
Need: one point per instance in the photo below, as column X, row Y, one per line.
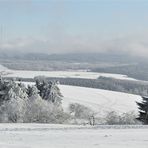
column 128, row 118
column 43, row 111
column 81, row 112
column 112, row 118
column 3, row 90
column 143, row 110
column 7, row 86
column 38, row 110
column 14, row 103
column 33, row 92
column 19, row 103
column 49, row 91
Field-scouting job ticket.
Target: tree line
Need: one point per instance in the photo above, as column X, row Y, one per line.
column 127, row 86
column 42, row 103
column 39, row 103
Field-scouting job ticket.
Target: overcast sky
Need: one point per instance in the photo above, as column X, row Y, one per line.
column 61, row 26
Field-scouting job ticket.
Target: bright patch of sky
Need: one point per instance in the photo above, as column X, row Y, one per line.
column 68, row 25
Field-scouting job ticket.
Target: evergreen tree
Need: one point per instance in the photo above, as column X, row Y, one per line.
column 32, row 92
column 143, row 110
column 2, row 90
column 49, row 91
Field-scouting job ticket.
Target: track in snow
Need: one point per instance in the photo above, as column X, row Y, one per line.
column 101, row 101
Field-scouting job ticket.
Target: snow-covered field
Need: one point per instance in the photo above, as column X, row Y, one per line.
column 101, row 101
column 65, row 136
column 61, row 74
column 72, row 136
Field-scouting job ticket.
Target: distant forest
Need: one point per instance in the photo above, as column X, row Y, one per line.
column 137, row 71
column 96, row 62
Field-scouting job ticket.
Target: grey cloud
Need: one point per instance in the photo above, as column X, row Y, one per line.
column 132, row 45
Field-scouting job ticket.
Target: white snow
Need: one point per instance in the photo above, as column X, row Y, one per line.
column 101, row 101
column 62, row 74
column 65, row 74
column 69, row 136
column 65, row 136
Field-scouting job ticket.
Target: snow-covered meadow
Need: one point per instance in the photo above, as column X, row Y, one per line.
column 75, row 136
column 61, row 74
column 101, row 101
column 68, row 136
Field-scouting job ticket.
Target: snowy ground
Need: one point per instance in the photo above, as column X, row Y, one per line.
column 64, row 136
column 69, row 136
column 61, row 74
column 101, row 101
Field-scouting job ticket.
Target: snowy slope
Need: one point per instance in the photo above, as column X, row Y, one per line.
column 57, row 136
column 62, row 74
column 101, row 101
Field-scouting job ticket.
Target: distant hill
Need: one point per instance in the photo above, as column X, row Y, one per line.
column 73, row 57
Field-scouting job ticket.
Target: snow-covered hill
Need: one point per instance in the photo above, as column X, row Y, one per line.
column 101, row 101
column 62, row 74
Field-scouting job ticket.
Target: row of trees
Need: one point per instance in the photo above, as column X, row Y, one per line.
column 127, row 86
column 81, row 114
column 38, row 103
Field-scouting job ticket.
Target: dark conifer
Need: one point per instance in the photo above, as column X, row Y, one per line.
column 143, row 110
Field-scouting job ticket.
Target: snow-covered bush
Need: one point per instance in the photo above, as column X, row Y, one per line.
column 129, row 118
column 13, row 110
column 42, row 111
column 113, row 118
column 81, row 114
